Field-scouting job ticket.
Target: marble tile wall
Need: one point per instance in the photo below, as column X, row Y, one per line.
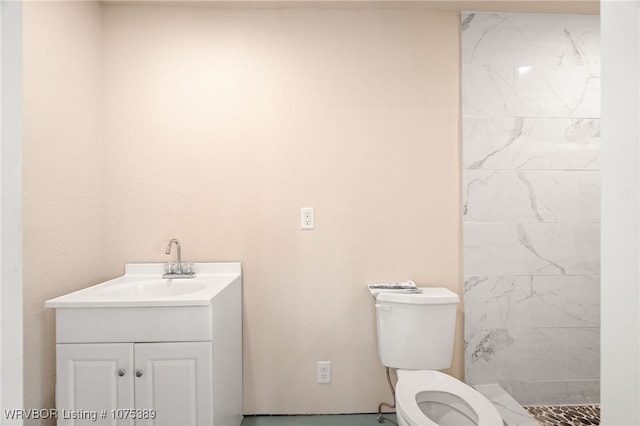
column 531, row 160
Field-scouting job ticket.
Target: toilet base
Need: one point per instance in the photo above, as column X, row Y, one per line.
column 441, row 414
column 401, row 421
column 426, row 397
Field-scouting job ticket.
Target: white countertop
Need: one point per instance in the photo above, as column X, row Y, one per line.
column 131, row 289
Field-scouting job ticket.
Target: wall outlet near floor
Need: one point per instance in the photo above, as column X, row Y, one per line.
column 324, row 371
column 307, row 218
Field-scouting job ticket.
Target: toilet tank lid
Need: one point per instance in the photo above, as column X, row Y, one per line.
column 427, row 296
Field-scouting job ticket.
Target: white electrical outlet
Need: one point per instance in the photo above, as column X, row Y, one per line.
column 324, row 371
column 307, row 218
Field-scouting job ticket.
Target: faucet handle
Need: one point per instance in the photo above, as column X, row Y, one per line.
column 187, row 268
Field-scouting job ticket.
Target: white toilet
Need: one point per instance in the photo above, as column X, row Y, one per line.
column 415, row 336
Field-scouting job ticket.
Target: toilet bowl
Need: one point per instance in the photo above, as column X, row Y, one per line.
column 432, row 398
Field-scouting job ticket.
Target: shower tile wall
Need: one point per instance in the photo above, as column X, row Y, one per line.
column 531, row 159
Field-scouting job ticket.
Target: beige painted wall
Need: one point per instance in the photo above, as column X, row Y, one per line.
column 62, row 176
column 220, row 124
column 217, row 126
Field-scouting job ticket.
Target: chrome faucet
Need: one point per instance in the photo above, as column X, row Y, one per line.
column 179, row 253
column 180, row 271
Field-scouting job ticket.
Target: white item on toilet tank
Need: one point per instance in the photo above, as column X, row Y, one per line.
column 412, row 335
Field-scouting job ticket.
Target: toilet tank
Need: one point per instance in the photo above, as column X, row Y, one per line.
column 416, row 330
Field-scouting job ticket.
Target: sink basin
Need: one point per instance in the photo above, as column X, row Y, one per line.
column 142, row 285
column 151, row 289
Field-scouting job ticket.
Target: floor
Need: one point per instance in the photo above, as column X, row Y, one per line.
column 565, row 415
column 333, row 420
column 547, row 415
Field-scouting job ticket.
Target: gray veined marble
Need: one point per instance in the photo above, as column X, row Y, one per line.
column 515, row 354
column 511, row 412
column 553, row 392
column 531, row 194
column 557, row 91
column 508, row 143
column 583, row 353
column 490, row 90
column 531, row 91
column 568, row 301
column 531, row 248
column 501, row 143
column 530, row 39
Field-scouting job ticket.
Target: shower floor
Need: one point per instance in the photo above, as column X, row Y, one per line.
column 565, row 415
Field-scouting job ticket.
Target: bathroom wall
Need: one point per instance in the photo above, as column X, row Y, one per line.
column 220, row 124
column 62, row 173
column 215, row 126
column 531, row 159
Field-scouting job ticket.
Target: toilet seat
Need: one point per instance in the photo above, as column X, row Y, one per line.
column 414, row 386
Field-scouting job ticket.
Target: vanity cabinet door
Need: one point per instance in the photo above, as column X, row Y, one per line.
column 175, row 380
column 93, row 382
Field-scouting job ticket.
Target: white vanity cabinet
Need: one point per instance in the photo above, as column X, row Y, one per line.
column 123, row 358
column 136, row 384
